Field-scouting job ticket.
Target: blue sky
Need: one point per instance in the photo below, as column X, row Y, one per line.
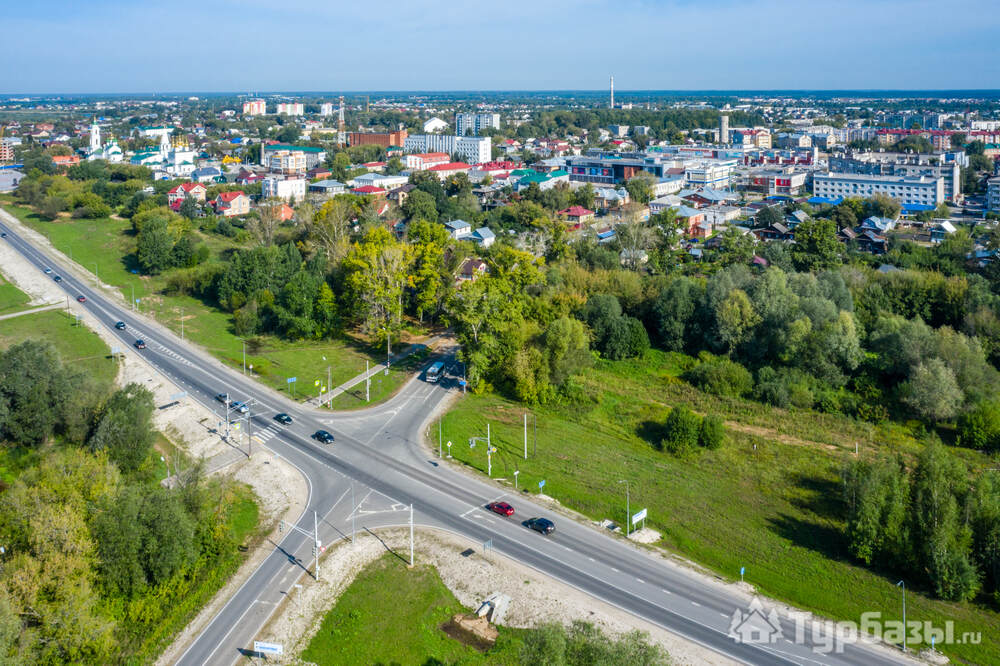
column 89, row 46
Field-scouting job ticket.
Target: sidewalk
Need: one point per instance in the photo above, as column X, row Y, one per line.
column 55, row 306
column 372, row 371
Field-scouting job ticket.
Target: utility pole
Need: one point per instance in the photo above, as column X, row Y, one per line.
column 439, row 437
column 249, row 429
column 526, row 435
column 244, row 356
column 328, row 385
column 354, row 512
column 628, row 510
column 316, row 545
column 133, row 298
column 368, row 384
column 182, row 323
column 903, row 585
column 411, row 536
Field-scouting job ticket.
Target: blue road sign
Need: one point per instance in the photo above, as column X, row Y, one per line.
column 290, row 380
column 541, row 484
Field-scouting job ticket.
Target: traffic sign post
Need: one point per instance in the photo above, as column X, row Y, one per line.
column 541, row 484
column 292, row 380
column 262, row 648
column 641, row 515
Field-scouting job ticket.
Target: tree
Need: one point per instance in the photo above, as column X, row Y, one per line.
column 816, row 245
column 32, row 384
column 735, row 317
column 931, row 392
column 420, row 205
column 882, row 205
column 375, row 274
column 188, row 208
column 125, row 427
column 566, row 348
column 680, row 430
column 584, row 196
column 331, row 228
column 957, row 139
column 979, row 428
column 264, row 225
column 626, row 337
column 737, row 247
column 712, row 433
column 154, row 246
column 767, row 216
column 640, row 187
column 393, row 166
column 877, row 497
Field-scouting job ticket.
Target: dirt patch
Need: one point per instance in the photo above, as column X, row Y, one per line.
column 769, row 433
column 476, row 632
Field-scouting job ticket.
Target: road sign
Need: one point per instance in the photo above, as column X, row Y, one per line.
column 541, row 484
column 290, row 380
column 316, row 383
column 268, row 648
column 641, row 515
column 323, row 389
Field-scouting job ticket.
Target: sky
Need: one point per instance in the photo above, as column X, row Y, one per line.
column 122, row 46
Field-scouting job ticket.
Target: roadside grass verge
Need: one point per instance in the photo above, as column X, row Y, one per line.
column 393, row 615
column 769, row 500
column 12, row 299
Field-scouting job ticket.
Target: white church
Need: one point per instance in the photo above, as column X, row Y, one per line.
column 170, row 160
column 110, row 151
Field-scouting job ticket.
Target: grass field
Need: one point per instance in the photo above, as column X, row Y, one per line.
column 107, row 247
column 76, row 344
column 12, row 299
column 393, row 615
column 769, row 500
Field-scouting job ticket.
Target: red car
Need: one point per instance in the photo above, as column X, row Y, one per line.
column 502, row 508
column 82, row 299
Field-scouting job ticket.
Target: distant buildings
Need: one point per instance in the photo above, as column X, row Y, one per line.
column 935, row 165
column 470, row 148
column 291, row 109
column 255, row 107
column 786, row 181
column 288, row 159
column 908, row 190
column 421, row 161
column 326, row 109
column 283, row 188
column 472, row 123
column 993, row 194
column 384, row 139
column 434, row 124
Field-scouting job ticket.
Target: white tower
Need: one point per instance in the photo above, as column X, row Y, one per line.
column 164, row 144
column 612, row 91
column 95, row 138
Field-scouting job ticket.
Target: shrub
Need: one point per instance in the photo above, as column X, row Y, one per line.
column 979, row 428
column 681, row 430
column 712, row 433
column 721, row 376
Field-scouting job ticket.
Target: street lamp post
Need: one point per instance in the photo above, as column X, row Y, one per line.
column 902, row 585
column 166, row 475
column 628, row 510
column 516, row 472
column 244, row 356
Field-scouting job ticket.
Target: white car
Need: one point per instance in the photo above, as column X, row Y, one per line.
column 239, row 406
column 47, row 270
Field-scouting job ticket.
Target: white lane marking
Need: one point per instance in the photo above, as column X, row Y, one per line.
column 695, row 603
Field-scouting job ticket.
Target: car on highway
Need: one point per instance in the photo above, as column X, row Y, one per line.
column 502, row 508
column 223, row 398
column 543, row 525
column 283, row 418
column 48, row 271
column 81, row 299
column 239, row 406
column 120, row 325
column 57, row 279
column 323, row 436
column 140, row 344
column 3, row 234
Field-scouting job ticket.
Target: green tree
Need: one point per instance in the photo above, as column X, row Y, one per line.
column 932, row 392
column 566, row 348
column 877, row 497
column 736, row 317
column 712, row 433
column 737, row 247
column 125, row 427
column 680, row 430
column 154, row 246
column 420, row 205
column 816, row 245
column 979, row 427
column 375, row 274
column 640, row 187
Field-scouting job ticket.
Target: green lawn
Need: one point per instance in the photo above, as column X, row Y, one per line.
column 383, row 385
column 393, row 615
column 774, row 509
column 107, row 246
column 76, row 344
column 12, row 299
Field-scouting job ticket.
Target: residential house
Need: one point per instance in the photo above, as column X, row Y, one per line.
column 327, row 187
column 796, row 218
column 206, row 175
column 941, row 230
column 472, row 269
column 369, row 190
column 65, row 161
column 183, row 191
column 776, row 231
column 871, row 242
column 400, row 194
column 232, row 204
column 458, row 228
column 577, row 215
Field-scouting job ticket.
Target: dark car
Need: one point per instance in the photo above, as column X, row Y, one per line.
column 223, row 398
column 543, row 525
column 323, row 436
column 120, row 325
column 283, row 418
column 81, row 299
column 502, row 508
column 140, row 344
column 3, row 234
column 57, row 279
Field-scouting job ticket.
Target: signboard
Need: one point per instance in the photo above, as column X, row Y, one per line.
column 290, row 380
column 268, row 648
column 541, row 484
column 638, row 516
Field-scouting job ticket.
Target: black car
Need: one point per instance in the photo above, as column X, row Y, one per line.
column 543, row 525
column 57, row 279
column 323, row 436
column 3, row 234
column 223, row 398
column 120, row 325
column 283, row 418
column 140, row 344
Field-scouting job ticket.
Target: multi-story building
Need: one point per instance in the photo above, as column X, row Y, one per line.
column 472, row 149
column 945, row 165
column 715, row 174
column 993, row 194
column 154, row 132
column 326, row 109
column 255, row 107
column 6, row 152
column 291, row 159
column 384, row 139
column 275, row 187
column 787, row 182
column 472, row 123
column 232, row 204
column 421, row 161
column 291, row 109
column 907, row 190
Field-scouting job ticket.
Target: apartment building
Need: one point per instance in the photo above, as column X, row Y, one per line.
column 945, row 165
column 291, row 159
column 471, row 149
column 384, row 139
column 993, row 194
column 473, row 123
column 276, row 187
column 907, row 190
column 326, row 109
column 421, row 161
column 255, row 107
column 291, row 109
column 778, row 182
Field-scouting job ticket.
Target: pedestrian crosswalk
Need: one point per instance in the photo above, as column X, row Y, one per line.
column 266, row 433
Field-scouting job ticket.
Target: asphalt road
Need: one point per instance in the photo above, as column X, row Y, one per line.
column 377, row 468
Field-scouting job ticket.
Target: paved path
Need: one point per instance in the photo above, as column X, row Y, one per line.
column 372, row 371
column 54, row 306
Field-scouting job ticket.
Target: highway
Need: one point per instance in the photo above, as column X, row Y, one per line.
column 378, row 467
